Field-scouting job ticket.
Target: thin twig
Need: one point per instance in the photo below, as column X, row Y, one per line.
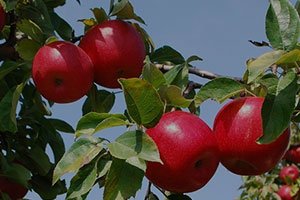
column 190, row 87
column 198, row 72
column 148, row 190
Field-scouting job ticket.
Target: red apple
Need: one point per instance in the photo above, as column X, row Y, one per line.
column 117, row 51
column 285, row 192
column 293, row 154
column 237, row 127
column 188, row 151
column 62, row 72
column 2, row 17
column 289, row 174
column 13, row 190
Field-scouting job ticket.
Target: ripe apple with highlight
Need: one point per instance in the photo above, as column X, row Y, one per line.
column 238, row 126
column 188, row 150
column 62, row 72
column 117, row 51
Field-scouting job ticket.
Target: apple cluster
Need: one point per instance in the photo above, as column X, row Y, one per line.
column 191, row 151
column 64, row 72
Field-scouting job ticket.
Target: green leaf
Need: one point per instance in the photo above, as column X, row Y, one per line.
column 277, row 109
column 39, row 160
column 134, row 144
column 27, row 48
column 270, row 81
column 149, row 44
column 172, row 95
column 193, row 58
column 123, row 181
column 117, row 7
column 64, row 30
column 83, row 181
column 10, row 5
column 100, row 101
column 178, row 75
column 54, row 3
column 128, row 13
column 80, row 153
column 289, row 57
column 8, row 107
column 167, row 54
column 153, row 75
column 93, row 122
column 61, row 125
column 32, row 30
column 219, row 89
column 260, row 64
column 297, row 6
column 143, row 102
column 36, row 11
column 103, row 165
column 282, row 25
column 137, row 162
column 100, row 15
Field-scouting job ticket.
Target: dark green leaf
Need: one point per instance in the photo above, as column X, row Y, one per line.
column 178, row 197
column 54, row 3
column 134, row 144
column 117, row 7
column 117, row 183
column 103, row 165
column 167, row 54
column 17, row 173
column 100, row 14
column 83, row 181
column 143, row 102
column 260, row 64
column 277, row 109
column 282, row 25
column 32, row 30
column 7, row 67
column 39, row 160
column 153, row 75
column 80, row 153
column 42, row 185
column 64, row 30
column 219, row 89
column 93, row 122
column 172, row 95
column 61, row 125
column 36, row 11
column 100, row 101
column 297, row 6
column 27, row 48
column 8, row 106
column 10, row 5
column 193, row 58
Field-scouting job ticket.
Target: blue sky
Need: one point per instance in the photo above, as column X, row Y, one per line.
column 217, row 31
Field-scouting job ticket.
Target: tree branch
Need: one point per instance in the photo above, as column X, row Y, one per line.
column 198, row 72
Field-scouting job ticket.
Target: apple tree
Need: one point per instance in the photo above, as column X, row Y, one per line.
column 43, row 61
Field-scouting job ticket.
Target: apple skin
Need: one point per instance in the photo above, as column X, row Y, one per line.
column 62, row 72
column 2, row 18
column 237, row 126
column 285, row 192
column 293, row 154
column 188, row 151
column 14, row 190
column 289, row 174
column 117, row 51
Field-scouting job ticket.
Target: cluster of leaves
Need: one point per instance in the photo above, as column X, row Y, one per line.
column 26, row 126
